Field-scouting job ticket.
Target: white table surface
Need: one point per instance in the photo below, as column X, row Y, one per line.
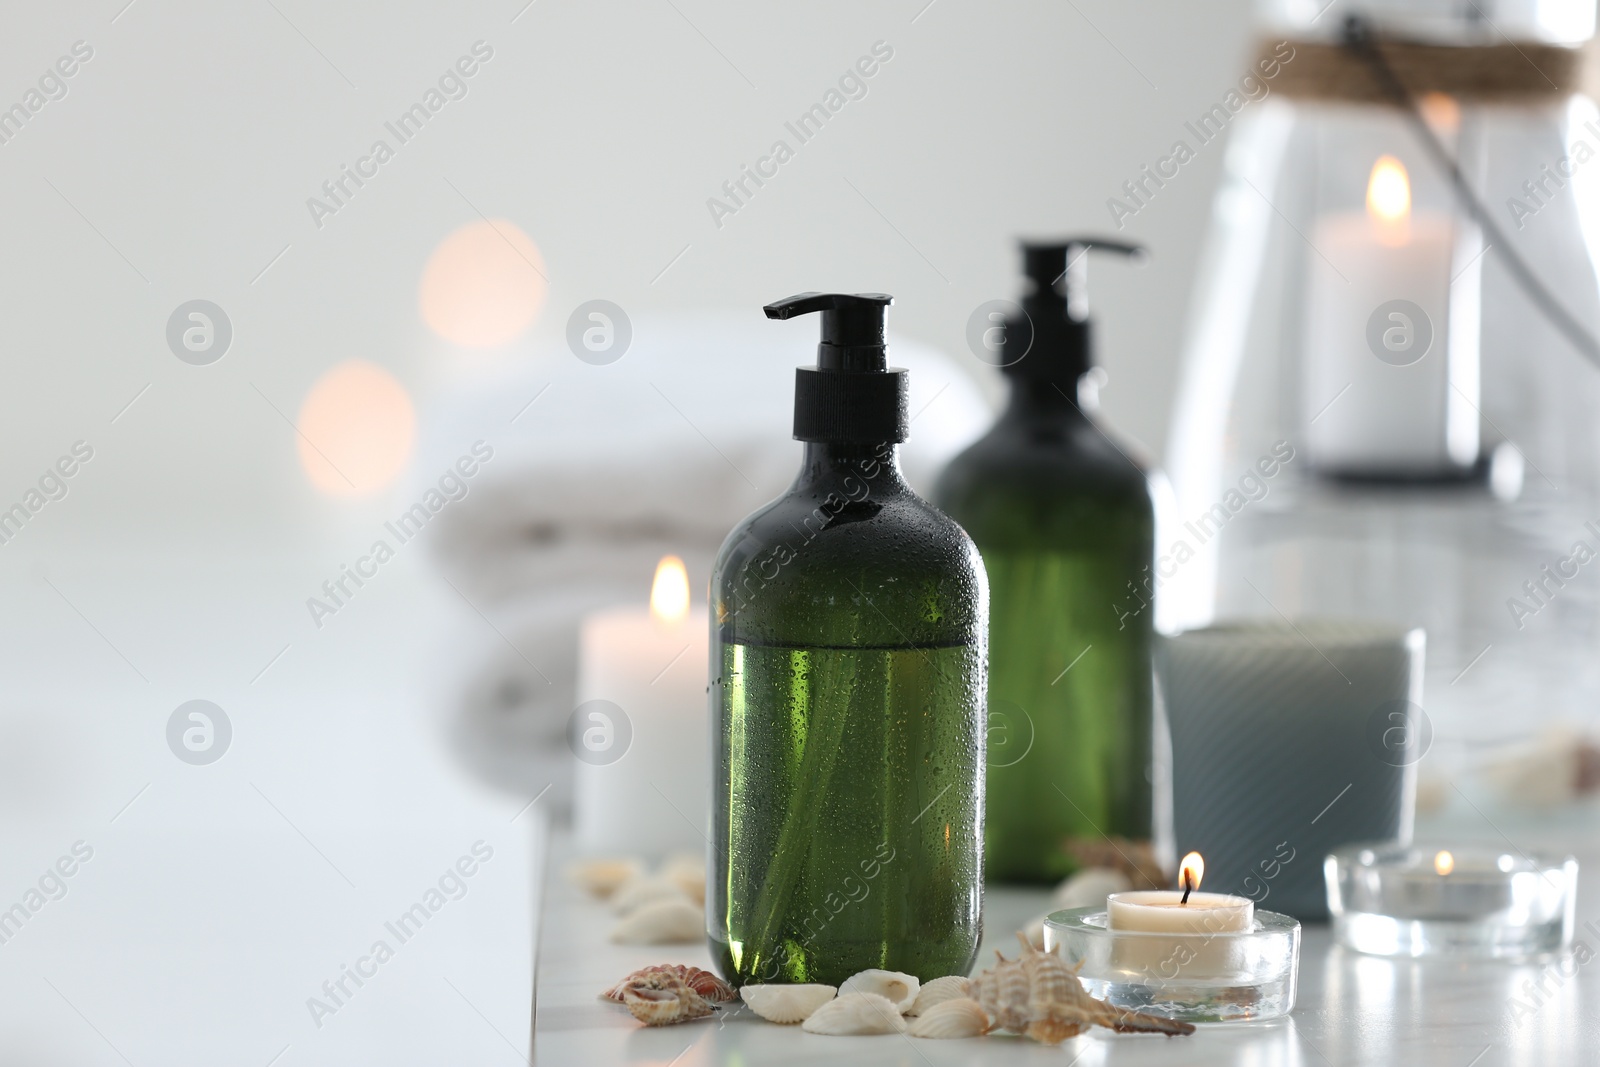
column 219, row 898
column 1352, row 1009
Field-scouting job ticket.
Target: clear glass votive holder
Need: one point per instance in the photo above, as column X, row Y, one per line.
column 1465, row 901
column 1227, row 976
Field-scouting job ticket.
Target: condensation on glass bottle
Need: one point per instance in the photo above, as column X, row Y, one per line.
column 848, row 667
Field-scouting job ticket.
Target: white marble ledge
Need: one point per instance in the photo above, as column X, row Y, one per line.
column 1352, row 1009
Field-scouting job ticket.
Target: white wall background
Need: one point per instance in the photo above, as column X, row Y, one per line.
column 179, row 163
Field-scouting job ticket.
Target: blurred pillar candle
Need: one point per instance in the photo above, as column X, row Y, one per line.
column 1380, row 328
column 639, row 731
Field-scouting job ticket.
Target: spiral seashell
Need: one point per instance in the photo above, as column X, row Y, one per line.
column 1002, row 990
column 786, row 1003
column 855, row 1013
column 603, row 877
column 938, row 991
column 1058, row 1005
column 663, row 999
column 662, row 922
column 642, row 890
column 705, row 983
column 900, row 989
column 958, row 1017
column 1040, row 997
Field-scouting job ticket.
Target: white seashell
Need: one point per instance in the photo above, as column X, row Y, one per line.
column 688, row 873
column 937, row 992
column 643, row 890
column 855, row 1013
column 900, row 989
column 602, row 877
column 662, row 922
column 952, row 1018
column 1089, row 888
column 786, row 1003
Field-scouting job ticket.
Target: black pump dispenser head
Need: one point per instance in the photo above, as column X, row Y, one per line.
column 1057, row 329
column 851, row 395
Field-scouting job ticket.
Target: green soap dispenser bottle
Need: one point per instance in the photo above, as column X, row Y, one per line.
column 1065, row 522
column 847, row 697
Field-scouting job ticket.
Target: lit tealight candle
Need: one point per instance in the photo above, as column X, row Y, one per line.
column 1170, row 911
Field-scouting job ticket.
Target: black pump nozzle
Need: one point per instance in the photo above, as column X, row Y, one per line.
column 1066, row 264
column 851, row 395
column 852, row 327
column 1057, row 307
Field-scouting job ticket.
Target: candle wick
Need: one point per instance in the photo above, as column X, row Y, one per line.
column 1188, row 887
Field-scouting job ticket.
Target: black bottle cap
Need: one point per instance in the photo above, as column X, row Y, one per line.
column 851, row 395
column 1055, row 334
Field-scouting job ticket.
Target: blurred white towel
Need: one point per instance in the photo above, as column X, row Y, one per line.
column 613, row 467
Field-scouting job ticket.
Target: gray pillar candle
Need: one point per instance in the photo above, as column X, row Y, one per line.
column 1287, row 742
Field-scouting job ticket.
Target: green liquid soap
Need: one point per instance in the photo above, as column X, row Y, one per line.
column 1066, row 525
column 848, row 665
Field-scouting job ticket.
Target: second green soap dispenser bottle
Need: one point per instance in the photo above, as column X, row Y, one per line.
column 1065, row 523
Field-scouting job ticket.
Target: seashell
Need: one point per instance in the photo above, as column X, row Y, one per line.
column 1089, row 888
column 688, row 873
column 661, row 998
column 1040, row 997
column 958, row 1017
column 662, row 922
column 899, row 989
column 937, row 992
column 1135, row 859
column 643, row 890
column 602, row 877
column 786, row 1003
column 1551, row 769
column 855, row 1013
column 705, row 983
column 1002, row 991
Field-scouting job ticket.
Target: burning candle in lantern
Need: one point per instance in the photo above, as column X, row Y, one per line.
column 1391, row 374
column 643, row 775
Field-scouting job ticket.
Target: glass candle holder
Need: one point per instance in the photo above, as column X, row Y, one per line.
column 1373, row 419
column 1470, row 901
column 1228, row 976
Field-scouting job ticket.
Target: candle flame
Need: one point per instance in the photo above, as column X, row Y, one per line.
column 1190, row 871
column 1444, row 863
column 669, row 593
column 1389, row 191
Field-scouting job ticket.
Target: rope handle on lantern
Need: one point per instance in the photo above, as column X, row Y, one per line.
column 1359, row 38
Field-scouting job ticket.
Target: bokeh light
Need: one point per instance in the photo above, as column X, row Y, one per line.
column 483, row 285
column 356, row 428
